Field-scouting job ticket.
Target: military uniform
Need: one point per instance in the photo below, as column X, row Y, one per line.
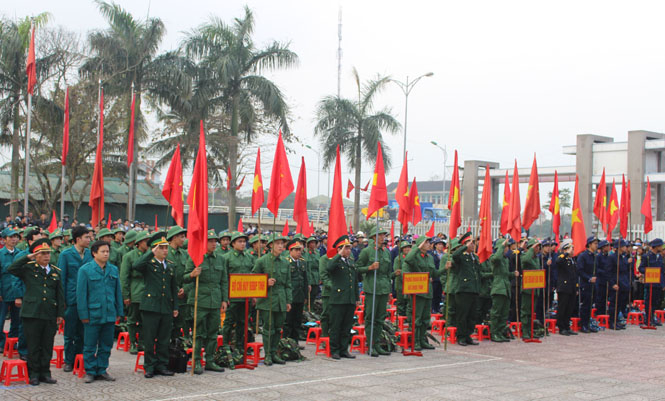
column 55, row 252
column 10, row 288
column 400, row 300
column 43, row 302
column 299, row 294
column 624, row 285
column 158, row 304
column 326, row 288
column 465, row 268
column 566, row 289
column 343, row 299
column 484, row 289
column 586, row 270
column 179, row 257
column 530, row 261
column 275, row 305
column 500, row 293
column 312, row 259
column 132, row 289
column 653, row 296
column 236, row 262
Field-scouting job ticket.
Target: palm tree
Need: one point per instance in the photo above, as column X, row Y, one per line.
column 125, row 55
column 242, row 92
column 356, row 127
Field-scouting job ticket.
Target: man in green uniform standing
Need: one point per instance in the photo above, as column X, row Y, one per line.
column 401, row 301
column 107, row 235
column 374, row 262
column 132, row 291
column 158, row 306
column 43, row 308
column 326, row 289
column 224, row 240
column 299, row 289
column 529, row 262
column 56, row 246
column 278, row 303
column 484, row 289
column 237, row 261
column 500, row 291
column 127, row 244
column 465, row 267
column 213, row 295
column 118, row 239
column 344, row 298
column 99, row 304
column 312, row 256
column 178, row 256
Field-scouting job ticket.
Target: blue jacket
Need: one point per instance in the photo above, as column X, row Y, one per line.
column 98, row 293
column 624, row 273
column 11, row 287
column 585, row 267
column 69, row 263
column 651, row 259
column 604, row 267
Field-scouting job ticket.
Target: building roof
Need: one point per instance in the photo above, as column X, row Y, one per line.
column 423, row 186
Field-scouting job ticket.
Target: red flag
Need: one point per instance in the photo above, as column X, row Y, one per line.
column 485, row 217
column 65, row 131
column 285, row 230
column 554, row 208
column 337, row 219
column 108, row 221
column 646, row 209
column 300, row 202
column 416, row 212
column 532, row 203
column 54, row 224
column 242, row 181
column 350, row 229
column 378, row 198
column 257, row 186
column 628, row 205
column 430, row 232
column 454, row 202
column 366, row 186
column 402, row 198
column 281, row 183
column 349, row 188
column 156, row 225
column 578, row 230
column 514, row 221
column 228, row 178
column 96, row 201
column 241, row 228
column 197, row 199
column 130, row 139
column 612, row 211
column 600, row 204
column 623, row 209
column 172, row 191
column 505, row 210
column 392, row 233
column 30, row 68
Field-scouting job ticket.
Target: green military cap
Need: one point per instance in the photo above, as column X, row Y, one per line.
column 41, row 245
column 118, row 230
column 173, row 231
column 46, row 232
column 312, row 238
column 104, row 232
column 372, row 232
column 532, row 242
column 341, row 241
column 454, row 244
column 31, row 230
column 9, row 232
column 465, row 236
column 140, row 236
column 212, row 234
column 273, row 238
column 294, row 243
column 404, row 244
column 265, row 238
column 237, row 235
column 130, row 237
column 158, row 238
column 56, row 234
column 254, row 239
column 225, row 233
column 67, row 232
column 422, row 239
column 299, row 237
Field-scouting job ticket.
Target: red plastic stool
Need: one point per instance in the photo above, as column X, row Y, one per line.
column 593, row 313
column 59, row 358
column 61, row 327
column 220, row 341
column 358, row 343
column 451, row 332
column 436, row 316
column 123, row 341
column 392, row 314
column 10, row 343
column 575, row 326
column 189, row 362
column 403, row 338
column 360, row 314
column 316, row 331
column 603, row 321
column 516, row 328
column 255, row 358
column 639, row 303
column 437, row 326
column 481, row 329
column 551, row 325
column 326, row 350
column 359, row 329
column 401, row 323
column 660, row 314
column 635, row 318
column 79, row 368
column 139, row 366
column 21, row 375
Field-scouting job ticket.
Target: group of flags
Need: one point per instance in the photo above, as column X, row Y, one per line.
column 408, row 199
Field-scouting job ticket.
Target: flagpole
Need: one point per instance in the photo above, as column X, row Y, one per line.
column 376, row 259
column 196, row 304
column 547, row 333
column 27, row 157
column 130, row 194
column 258, row 256
column 616, row 295
column 62, row 193
column 445, row 337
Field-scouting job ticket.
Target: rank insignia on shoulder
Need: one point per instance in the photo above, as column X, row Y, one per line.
column 562, row 256
column 153, row 260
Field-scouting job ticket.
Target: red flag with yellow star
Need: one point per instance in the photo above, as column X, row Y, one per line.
column 554, row 208
column 532, row 204
column 514, row 219
column 454, row 202
column 281, row 183
column 646, row 209
column 402, row 198
column 257, row 187
column 623, row 209
column 416, row 213
column 612, row 211
column 378, row 198
column 600, row 204
column 172, row 191
column 485, row 217
column 505, row 210
column 300, row 202
column 578, row 230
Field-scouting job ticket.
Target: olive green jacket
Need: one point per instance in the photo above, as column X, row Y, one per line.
column 279, row 295
column 213, row 282
column 161, row 291
column 365, row 260
column 131, row 281
column 43, row 297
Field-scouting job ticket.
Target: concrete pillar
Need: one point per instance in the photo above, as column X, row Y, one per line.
column 584, row 168
column 470, row 185
column 636, row 164
column 497, row 199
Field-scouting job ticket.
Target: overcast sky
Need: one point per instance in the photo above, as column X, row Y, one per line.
column 510, row 77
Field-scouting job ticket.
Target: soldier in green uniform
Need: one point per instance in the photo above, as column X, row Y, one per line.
column 311, row 255
column 127, row 244
column 99, row 304
column 300, row 289
column 465, row 268
column 224, row 241
column 43, row 307
column 118, row 239
column 67, row 238
column 257, row 249
column 374, row 261
column 237, row 261
column 278, row 302
column 132, row 291
column 107, row 235
column 213, row 295
column 401, row 301
column 158, row 306
column 344, row 298
column 484, row 289
column 56, row 246
column 326, row 288
column 530, row 261
column 178, row 255
column 420, row 260
column 500, row 291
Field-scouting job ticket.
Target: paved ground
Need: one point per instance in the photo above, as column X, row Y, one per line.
column 624, row 365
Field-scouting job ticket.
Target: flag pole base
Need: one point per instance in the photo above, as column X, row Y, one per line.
column 648, row 327
column 413, row 330
column 531, row 340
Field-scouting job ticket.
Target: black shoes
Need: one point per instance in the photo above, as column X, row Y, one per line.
column 105, row 377
column 346, row 354
column 471, row 342
column 48, row 380
column 164, row 372
column 149, row 375
column 335, row 356
column 89, row 379
column 34, row 381
column 67, row 368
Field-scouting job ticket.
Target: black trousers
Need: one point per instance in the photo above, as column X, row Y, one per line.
column 294, row 321
column 437, row 295
column 39, row 334
column 567, row 303
column 341, row 322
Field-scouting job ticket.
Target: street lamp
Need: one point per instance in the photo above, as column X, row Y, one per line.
column 445, row 159
column 406, row 88
column 318, row 172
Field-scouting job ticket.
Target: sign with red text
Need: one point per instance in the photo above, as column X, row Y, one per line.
column 533, row 279
column 248, row 285
column 415, row 283
column 652, row 275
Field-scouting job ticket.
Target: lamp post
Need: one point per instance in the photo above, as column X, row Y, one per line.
column 318, row 172
column 445, row 160
column 406, row 88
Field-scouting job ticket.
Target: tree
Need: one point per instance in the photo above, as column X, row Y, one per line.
column 565, row 197
column 241, row 91
column 356, row 127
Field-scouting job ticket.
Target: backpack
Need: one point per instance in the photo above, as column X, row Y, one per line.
column 228, row 357
column 178, row 357
column 288, row 350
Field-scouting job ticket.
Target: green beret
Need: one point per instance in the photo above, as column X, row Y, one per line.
column 312, row 238
column 67, row 232
column 225, row 233
column 454, row 244
column 254, row 239
column 422, row 239
column 404, row 244
column 273, row 238
column 118, row 230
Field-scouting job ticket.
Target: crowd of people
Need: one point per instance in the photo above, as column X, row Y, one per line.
column 93, row 279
